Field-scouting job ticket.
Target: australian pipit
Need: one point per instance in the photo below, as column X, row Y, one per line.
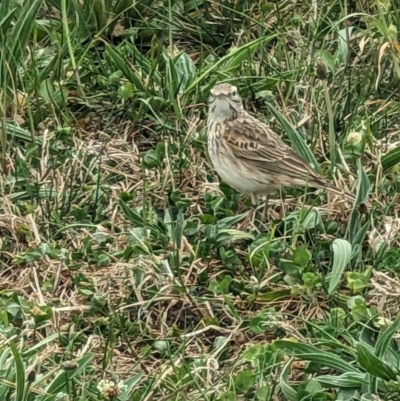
column 249, row 156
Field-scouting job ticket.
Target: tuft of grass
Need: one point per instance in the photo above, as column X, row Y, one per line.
column 123, row 273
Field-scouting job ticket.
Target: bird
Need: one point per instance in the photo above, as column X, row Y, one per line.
column 249, row 156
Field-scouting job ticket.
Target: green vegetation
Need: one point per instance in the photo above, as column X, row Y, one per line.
column 123, row 274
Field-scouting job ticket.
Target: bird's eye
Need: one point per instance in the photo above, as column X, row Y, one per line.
column 234, row 93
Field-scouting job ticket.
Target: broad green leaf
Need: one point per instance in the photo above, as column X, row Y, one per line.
column 390, row 159
column 264, row 393
column 151, row 159
column 59, row 382
column 178, row 229
column 313, row 387
column 301, row 220
column 341, row 257
column 125, row 91
column 244, row 51
column 342, row 52
column 16, row 132
column 374, row 365
column 227, row 222
column 364, row 185
column 5, row 5
column 272, row 296
column 236, row 234
column 4, row 356
column 172, row 84
column 363, row 189
column 313, row 354
column 384, row 339
column 131, row 214
column 345, row 380
column 252, row 352
column 311, row 219
column 185, row 70
column 20, row 373
column 130, row 384
column 361, row 233
column 289, row 393
column 244, row 380
column 301, row 256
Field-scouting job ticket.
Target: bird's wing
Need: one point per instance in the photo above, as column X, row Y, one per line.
column 263, row 151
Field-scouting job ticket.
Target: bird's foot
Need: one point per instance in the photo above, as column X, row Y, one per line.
column 264, row 213
column 249, row 218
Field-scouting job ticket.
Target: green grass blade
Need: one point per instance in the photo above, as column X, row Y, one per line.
column 60, row 381
column 6, row 20
column 22, row 31
column 123, row 65
column 233, row 58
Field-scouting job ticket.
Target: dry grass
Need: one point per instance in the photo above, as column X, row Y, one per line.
column 120, row 254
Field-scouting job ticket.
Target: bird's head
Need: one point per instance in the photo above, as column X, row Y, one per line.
column 224, row 101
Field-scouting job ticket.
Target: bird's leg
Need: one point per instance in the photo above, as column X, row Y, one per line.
column 283, row 197
column 251, row 214
column 265, row 209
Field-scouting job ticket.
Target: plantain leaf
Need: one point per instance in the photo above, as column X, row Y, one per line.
column 345, row 380
column 363, row 189
column 20, row 373
column 390, row 159
column 342, row 52
column 341, row 257
column 314, row 354
column 289, row 393
column 58, row 383
column 384, row 339
column 373, row 365
column 185, row 69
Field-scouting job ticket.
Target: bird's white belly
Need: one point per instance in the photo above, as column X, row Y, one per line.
column 236, row 176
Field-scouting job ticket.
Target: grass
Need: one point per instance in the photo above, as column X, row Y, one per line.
column 123, row 274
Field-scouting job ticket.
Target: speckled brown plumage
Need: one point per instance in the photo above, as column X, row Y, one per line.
column 248, row 155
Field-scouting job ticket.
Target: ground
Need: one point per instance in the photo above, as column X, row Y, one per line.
column 124, row 274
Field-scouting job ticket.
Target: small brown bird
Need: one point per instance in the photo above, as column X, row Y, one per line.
column 249, row 156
